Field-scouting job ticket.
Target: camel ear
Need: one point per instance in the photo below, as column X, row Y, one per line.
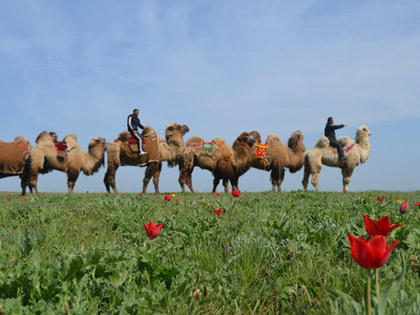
column 185, row 129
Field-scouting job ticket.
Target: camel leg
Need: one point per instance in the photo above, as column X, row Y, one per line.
column 274, row 176
column 189, row 182
column 109, row 178
column 305, row 179
column 185, row 178
column 280, row 179
column 72, row 175
column 347, row 172
column 314, row 180
column 156, row 176
column 226, row 185
column 234, row 182
column 31, row 182
column 148, row 174
column 216, row 181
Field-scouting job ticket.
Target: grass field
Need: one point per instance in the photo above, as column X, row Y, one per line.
column 267, row 253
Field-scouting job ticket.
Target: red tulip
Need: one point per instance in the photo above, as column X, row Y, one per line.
column 380, row 227
column 236, row 193
column 404, row 207
column 168, row 197
column 345, row 191
column 201, row 198
column 152, row 230
column 380, row 198
column 140, row 194
column 218, row 212
column 373, row 254
column 417, row 204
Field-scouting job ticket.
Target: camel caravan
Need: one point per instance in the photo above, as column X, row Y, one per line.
column 150, row 150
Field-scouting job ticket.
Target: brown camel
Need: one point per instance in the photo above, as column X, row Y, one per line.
column 279, row 156
column 12, row 156
column 121, row 153
column 226, row 163
column 45, row 157
column 322, row 153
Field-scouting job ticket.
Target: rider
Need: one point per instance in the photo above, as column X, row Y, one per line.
column 133, row 123
column 329, row 132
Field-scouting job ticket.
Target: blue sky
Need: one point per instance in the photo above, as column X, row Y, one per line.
column 221, row 67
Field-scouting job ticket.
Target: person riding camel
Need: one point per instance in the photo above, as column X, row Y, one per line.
column 133, row 124
column 329, row 132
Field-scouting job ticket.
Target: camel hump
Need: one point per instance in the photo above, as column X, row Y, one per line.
column 219, row 142
column 70, row 140
column 148, row 131
column 345, row 141
column 194, row 142
column 21, row 140
column 124, row 136
column 322, row 143
column 272, row 137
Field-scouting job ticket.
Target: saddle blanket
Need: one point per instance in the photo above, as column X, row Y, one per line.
column 261, row 151
column 348, row 148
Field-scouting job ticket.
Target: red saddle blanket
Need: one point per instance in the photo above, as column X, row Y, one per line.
column 133, row 141
column 60, row 146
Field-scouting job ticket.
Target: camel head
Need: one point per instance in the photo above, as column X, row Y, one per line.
column 176, row 129
column 256, row 135
column 147, row 132
column 244, row 137
column 362, row 133
column 21, row 140
column 70, row 140
column 46, row 137
column 295, row 139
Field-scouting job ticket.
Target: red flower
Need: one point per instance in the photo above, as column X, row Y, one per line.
column 9, row 199
column 380, row 227
column 218, row 212
column 265, row 193
column 417, row 204
column 140, row 194
column 152, row 230
column 344, row 191
column 236, row 193
column 373, row 254
column 201, row 198
column 168, row 197
column 380, row 198
column 404, row 207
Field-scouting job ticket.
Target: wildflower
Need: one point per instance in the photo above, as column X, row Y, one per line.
column 218, row 212
column 370, row 254
column 236, row 193
column 380, row 198
column 381, row 227
column 152, row 230
column 168, row 197
column 404, row 207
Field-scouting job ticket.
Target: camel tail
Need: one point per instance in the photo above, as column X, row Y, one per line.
column 224, row 169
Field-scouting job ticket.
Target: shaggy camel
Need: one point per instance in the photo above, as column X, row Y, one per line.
column 322, row 153
column 119, row 153
column 12, row 156
column 44, row 158
column 225, row 162
column 279, row 156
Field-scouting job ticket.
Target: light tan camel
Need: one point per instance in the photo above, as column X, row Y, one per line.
column 322, row 153
column 225, row 162
column 279, row 156
column 12, row 156
column 44, row 158
column 119, row 153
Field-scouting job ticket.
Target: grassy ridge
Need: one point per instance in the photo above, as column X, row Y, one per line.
column 267, row 253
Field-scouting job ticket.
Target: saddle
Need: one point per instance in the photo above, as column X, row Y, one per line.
column 61, row 149
column 133, row 144
column 261, row 150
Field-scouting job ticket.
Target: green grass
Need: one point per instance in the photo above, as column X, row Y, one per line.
column 267, row 253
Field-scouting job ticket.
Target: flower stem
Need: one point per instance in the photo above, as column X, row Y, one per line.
column 368, row 310
column 377, row 285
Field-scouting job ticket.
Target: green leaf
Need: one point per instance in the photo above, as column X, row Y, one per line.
column 391, row 289
column 347, row 299
column 75, row 266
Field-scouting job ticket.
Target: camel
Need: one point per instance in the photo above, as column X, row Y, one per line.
column 322, row 153
column 225, row 162
column 279, row 156
column 44, row 158
column 119, row 153
column 12, row 156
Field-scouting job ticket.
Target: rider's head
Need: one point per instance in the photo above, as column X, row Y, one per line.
column 136, row 111
column 330, row 120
